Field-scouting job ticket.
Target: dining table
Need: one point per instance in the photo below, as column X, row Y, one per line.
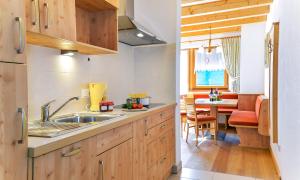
column 215, row 104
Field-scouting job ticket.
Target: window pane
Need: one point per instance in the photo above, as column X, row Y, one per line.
column 210, row 78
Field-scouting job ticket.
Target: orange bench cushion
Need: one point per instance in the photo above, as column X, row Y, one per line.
column 201, row 118
column 226, row 110
column 243, row 118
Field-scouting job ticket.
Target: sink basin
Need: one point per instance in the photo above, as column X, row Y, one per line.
column 85, row 118
column 68, row 123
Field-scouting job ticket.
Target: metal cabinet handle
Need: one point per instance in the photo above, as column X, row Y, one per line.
column 24, row 127
column 101, row 170
column 72, row 153
column 146, row 128
column 46, row 15
column 33, row 11
column 21, row 36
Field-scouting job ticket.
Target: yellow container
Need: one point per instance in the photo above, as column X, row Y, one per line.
column 97, row 92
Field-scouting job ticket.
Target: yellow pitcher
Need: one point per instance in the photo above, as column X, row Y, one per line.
column 97, row 92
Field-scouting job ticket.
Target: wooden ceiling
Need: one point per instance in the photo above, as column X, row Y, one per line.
column 202, row 17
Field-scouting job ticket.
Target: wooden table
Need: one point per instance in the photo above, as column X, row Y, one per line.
column 215, row 104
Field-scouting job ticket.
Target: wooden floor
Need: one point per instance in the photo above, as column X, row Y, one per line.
column 227, row 156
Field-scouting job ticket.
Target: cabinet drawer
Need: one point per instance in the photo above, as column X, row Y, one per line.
column 158, row 130
column 113, row 138
column 160, row 117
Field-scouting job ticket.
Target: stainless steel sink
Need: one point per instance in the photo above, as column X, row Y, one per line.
column 68, row 123
column 85, row 118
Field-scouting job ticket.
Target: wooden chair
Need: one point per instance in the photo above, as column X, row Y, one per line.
column 198, row 121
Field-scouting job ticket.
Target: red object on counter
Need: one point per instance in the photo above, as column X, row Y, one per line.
column 106, row 106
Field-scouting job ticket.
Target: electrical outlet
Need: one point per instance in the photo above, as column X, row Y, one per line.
column 85, row 93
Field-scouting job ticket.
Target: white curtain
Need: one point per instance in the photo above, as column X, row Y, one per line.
column 213, row 61
column 231, row 49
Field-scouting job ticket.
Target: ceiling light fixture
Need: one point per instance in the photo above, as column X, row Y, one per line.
column 140, row 35
column 68, row 52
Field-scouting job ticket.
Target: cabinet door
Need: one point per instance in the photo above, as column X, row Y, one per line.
column 13, row 124
column 32, row 15
column 115, row 163
column 74, row 162
column 58, row 18
column 12, row 31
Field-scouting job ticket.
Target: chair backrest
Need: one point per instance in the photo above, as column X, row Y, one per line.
column 190, row 105
column 262, row 114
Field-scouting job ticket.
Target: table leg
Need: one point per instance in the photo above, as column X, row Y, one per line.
column 214, row 112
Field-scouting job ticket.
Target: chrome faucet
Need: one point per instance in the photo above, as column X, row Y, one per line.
column 45, row 109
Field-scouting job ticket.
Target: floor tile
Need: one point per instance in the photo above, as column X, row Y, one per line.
column 196, row 174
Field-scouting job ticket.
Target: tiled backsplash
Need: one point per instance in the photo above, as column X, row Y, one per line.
column 53, row 76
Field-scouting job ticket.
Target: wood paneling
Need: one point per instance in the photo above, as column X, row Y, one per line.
column 9, row 31
column 222, row 5
column 115, row 163
column 58, row 18
column 235, row 22
column 226, row 15
column 246, row 102
column 249, row 137
column 32, row 15
column 63, row 164
column 13, row 95
column 213, row 31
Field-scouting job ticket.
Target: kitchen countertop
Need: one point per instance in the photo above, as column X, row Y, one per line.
column 38, row 146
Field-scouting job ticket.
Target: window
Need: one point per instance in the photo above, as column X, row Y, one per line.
column 207, row 70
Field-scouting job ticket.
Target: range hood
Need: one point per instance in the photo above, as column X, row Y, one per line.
column 131, row 32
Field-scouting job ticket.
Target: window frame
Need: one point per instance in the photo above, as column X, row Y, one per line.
column 192, row 75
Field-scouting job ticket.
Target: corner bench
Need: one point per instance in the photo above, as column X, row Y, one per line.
column 253, row 126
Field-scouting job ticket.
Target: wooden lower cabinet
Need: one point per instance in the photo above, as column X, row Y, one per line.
column 74, row 162
column 154, row 147
column 130, row 152
column 115, row 163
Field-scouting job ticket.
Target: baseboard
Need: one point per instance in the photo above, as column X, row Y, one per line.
column 176, row 168
column 275, row 162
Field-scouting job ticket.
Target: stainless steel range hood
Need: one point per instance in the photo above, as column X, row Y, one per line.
column 131, row 32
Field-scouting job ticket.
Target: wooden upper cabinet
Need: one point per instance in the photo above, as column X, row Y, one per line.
column 58, row 18
column 13, row 122
column 115, row 163
column 32, row 15
column 12, row 31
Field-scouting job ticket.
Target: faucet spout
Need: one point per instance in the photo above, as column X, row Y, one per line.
column 45, row 109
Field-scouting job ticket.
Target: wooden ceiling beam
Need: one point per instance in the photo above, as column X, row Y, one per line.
column 221, row 16
column 235, row 22
column 223, row 5
column 213, row 31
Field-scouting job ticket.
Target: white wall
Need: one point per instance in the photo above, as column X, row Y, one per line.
column 288, row 148
column 52, row 76
column 158, row 16
column 155, row 72
column 252, row 58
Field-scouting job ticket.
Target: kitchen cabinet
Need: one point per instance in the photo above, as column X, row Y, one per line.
column 115, row 163
column 90, row 27
column 12, row 31
column 58, row 18
column 13, row 122
column 154, row 146
column 32, row 15
column 74, row 162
